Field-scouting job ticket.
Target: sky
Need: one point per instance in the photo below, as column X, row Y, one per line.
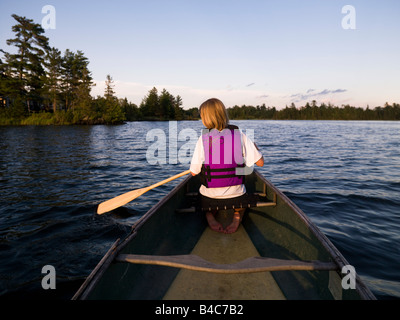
column 275, row 52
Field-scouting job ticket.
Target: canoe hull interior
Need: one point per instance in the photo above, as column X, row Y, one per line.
column 281, row 231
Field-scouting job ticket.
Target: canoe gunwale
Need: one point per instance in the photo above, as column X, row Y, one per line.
column 337, row 257
column 97, row 272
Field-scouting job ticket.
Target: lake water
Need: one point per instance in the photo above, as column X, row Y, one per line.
column 344, row 175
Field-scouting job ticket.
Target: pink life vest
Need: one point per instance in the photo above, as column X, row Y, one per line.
column 223, row 158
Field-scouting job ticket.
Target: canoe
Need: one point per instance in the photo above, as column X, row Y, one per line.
column 276, row 254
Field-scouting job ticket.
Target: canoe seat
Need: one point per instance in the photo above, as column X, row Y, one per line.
column 200, row 203
column 250, row 265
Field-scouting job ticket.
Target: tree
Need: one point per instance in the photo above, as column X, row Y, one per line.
column 3, row 82
column 130, row 110
column 150, row 104
column 4, row 87
column 77, row 79
column 26, row 66
column 53, row 80
column 85, row 83
column 68, row 82
column 178, row 111
column 161, row 107
column 167, row 102
column 109, row 90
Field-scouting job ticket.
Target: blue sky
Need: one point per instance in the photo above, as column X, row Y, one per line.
column 243, row 52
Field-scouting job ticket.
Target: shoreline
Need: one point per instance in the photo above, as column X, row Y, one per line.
column 23, row 123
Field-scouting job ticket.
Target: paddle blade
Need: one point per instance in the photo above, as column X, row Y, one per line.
column 129, row 196
column 119, row 201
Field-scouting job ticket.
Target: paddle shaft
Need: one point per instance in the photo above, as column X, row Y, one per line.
column 168, row 180
column 131, row 195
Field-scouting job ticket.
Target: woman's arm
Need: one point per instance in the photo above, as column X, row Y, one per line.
column 260, row 162
column 197, row 158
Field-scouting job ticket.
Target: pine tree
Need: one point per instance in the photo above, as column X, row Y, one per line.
column 76, row 79
column 3, row 86
column 53, row 80
column 166, row 109
column 109, row 92
column 25, row 68
column 150, row 104
column 178, row 111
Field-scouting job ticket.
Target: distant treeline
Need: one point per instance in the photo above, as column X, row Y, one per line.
column 314, row 112
column 40, row 85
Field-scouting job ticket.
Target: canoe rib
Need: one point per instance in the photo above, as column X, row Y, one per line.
column 250, row 265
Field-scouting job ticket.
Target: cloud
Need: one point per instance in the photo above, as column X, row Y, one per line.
column 323, row 92
column 310, row 93
column 339, row 91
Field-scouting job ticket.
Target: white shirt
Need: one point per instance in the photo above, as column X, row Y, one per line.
column 250, row 154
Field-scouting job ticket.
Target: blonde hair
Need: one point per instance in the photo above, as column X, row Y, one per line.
column 213, row 114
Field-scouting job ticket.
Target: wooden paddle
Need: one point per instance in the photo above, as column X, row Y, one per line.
column 131, row 195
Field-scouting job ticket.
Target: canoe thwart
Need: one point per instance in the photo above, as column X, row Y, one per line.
column 257, row 204
column 247, row 200
column 202, row 204
column 250, row 265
